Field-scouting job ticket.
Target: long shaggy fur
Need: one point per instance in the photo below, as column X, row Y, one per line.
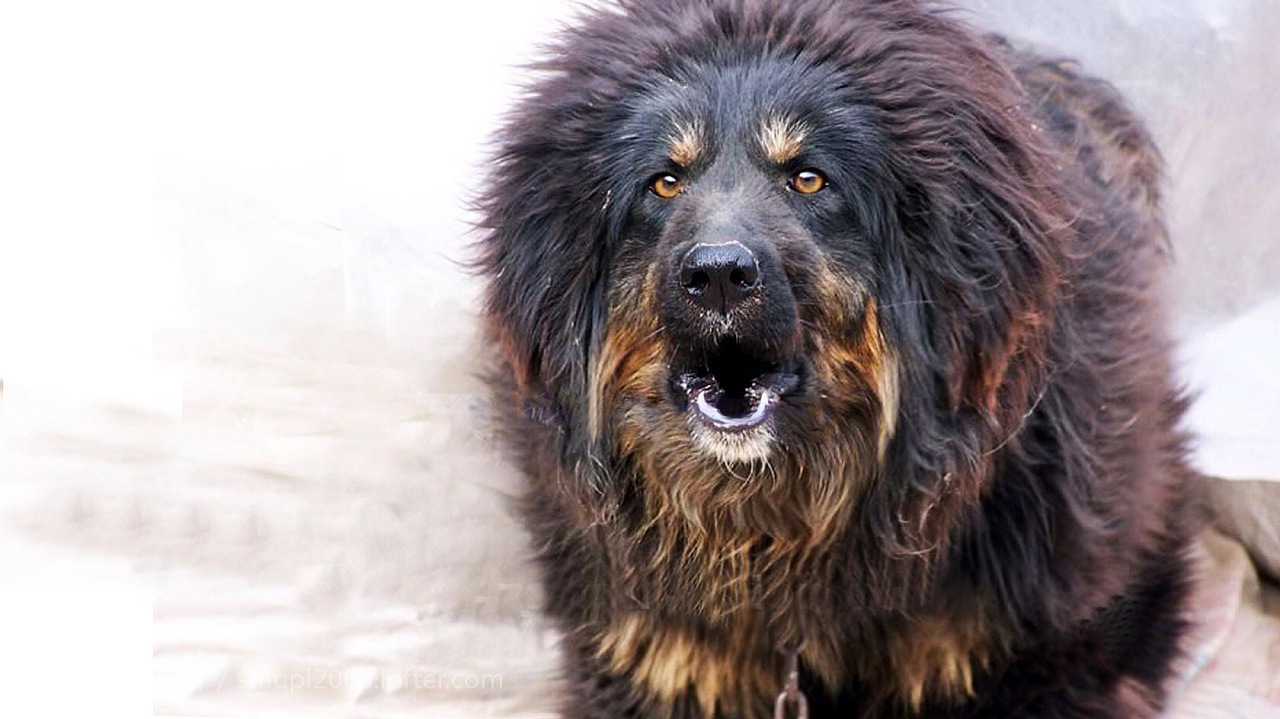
column 976, row 505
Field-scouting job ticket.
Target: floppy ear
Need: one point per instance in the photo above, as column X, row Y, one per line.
column 543, row 251
column 977, row 280
column 543, row 258
column 990, row 231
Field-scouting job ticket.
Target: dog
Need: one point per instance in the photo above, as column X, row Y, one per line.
column 827, row 337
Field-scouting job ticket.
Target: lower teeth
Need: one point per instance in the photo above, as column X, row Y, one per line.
column 761, row 400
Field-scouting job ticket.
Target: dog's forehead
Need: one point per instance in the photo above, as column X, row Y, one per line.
column 756, row 107
column 779, row 135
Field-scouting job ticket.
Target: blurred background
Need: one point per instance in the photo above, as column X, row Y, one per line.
column 237, row 345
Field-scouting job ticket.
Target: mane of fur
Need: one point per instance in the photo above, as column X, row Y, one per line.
column 1010, row 461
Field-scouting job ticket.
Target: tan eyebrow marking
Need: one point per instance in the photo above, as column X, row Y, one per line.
column 782, row 138
column 686, row 144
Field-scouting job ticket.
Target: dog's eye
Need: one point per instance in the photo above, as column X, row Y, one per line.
column 807, row 182
column 666, row 186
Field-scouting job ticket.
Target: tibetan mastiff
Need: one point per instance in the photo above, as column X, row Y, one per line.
column 827, row 340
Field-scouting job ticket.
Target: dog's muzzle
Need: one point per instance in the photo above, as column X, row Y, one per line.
column 730, row 370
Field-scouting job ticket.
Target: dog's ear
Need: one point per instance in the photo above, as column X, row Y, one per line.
column 543, row 252
column 996, row 278
column 984, row 227
column 544, row 303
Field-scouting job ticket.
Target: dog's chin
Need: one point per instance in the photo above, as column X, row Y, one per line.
column 731, row 399
column 748, row 446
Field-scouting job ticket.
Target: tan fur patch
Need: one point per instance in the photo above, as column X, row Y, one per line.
column 722, row 672
column 869, row 361
column 782, row 138
column 629, row 358
column 686, row 144
column 936, row 657
column 883, row 366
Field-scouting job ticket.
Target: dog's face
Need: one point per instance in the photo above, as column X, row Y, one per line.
column 749, row 257
column 733, row 244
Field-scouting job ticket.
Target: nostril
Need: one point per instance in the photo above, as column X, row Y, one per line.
column 694, row 279
column 743, row 277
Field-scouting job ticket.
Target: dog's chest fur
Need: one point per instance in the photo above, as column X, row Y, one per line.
column 739, row 667
column 709, row 622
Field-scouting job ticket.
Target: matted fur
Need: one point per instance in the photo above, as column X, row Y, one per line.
column 976, row 503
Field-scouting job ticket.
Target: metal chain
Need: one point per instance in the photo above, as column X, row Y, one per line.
column 791, row 694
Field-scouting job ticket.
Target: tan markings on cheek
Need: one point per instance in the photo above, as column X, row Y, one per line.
column 782, row 138
column 837, row 296
column 629, row 361
column 686, row 144
column 884, row 368
column 868, row 361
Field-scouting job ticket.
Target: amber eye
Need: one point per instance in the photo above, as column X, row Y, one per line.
column 807, row 182
column 666, row 186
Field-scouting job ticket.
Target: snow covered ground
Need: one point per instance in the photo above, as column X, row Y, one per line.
column 243, row 466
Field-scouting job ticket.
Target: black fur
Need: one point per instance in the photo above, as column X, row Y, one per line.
column 993, row 219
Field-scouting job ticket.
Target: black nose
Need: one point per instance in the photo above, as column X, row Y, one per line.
column 719, row 277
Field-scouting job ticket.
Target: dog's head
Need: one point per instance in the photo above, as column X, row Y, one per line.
column 812, row 236
column 741, row 312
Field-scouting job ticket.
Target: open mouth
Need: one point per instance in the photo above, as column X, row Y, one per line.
column 734, row 390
